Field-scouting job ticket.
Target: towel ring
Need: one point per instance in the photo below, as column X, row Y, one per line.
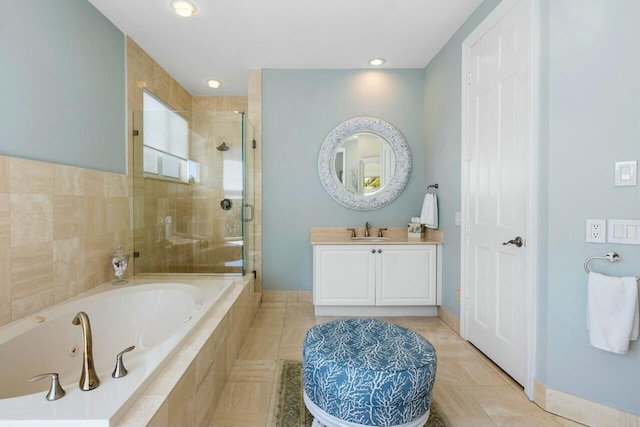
column 611, row 256
column 433, row 186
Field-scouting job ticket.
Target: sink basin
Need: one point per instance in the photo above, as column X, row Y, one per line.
column 370, row 239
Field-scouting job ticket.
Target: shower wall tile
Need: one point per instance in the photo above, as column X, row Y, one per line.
column 116, row 185
column 119, row 214
column 5, row 220
column 93, row 183
column 27, row 176
column 31, row 218
column 49, row 216
column 31, row 269
column 96, row 216
column 33, row 303
column 4, row 174
column 68, row 216
column 219, row 103
column 97, row 264
column 68, row 261
column 5, row 286
column 67, row 180
column 68, row 268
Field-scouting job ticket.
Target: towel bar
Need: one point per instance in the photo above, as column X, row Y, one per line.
column 611, row 256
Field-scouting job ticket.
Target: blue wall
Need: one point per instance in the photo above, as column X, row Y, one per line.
column 300, row 107
column 591, row 115
column 442, row 134
column 589, row 119
column 62, row 80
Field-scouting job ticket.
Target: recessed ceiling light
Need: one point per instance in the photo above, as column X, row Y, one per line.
column 183, row 8
column 377, row 61
column 214, row 83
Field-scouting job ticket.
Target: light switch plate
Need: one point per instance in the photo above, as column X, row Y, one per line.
column 458, row 218
column 626, row 231
column 626, row 173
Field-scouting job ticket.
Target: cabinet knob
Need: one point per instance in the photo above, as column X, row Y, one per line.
column 373, row 251
column 379, row 251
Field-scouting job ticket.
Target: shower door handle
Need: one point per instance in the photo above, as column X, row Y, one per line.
column 247, row 205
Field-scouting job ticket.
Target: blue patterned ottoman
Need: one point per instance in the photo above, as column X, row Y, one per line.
column 367, row 372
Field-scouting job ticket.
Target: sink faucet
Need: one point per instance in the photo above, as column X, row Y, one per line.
column 88, row 379
column 367, row 226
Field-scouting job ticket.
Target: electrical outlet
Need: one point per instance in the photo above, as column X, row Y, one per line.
column 596, row 230
column 458, row 293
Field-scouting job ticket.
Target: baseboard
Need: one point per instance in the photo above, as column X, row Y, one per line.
column 374, row 311
column 450, row 319
column 286, row 296
column 581, row 410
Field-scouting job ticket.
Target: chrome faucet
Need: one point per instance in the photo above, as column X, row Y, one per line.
column 367, row 226
column 88, row 379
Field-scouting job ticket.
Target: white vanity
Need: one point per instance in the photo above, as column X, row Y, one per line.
column 394, row 277
column 364, row 164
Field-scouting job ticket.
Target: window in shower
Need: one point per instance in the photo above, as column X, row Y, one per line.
column 166, row 141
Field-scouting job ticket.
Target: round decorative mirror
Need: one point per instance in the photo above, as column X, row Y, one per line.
column 364, row 163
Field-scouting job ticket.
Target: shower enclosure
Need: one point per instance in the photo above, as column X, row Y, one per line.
column 194, row 191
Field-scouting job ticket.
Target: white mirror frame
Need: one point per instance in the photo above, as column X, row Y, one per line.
column 326, row 166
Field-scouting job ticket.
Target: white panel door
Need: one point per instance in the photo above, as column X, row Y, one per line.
column 344, row 275
column 406, row 275
column 497, row 130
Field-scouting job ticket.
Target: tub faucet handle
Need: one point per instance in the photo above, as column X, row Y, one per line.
column 55, row 391
column 120, row 371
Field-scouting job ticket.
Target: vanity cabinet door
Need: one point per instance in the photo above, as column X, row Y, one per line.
column 344, row 275
column 406, row 275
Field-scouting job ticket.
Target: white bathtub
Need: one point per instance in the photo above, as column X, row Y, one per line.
column 155, row 317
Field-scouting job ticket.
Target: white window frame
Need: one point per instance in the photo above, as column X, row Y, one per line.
column 170, row 147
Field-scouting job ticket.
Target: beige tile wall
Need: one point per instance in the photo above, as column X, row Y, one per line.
column 60, row 224
column 58, row 227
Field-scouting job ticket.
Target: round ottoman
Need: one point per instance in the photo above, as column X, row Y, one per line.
column 367, row 372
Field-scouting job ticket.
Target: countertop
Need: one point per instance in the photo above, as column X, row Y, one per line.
column 396, row 235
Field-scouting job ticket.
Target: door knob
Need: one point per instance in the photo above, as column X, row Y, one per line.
column 517, row 241
column 373, row 251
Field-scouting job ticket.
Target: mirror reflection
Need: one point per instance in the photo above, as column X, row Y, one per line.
column 364, row 163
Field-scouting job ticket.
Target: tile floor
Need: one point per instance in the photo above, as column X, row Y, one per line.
column 471, row 390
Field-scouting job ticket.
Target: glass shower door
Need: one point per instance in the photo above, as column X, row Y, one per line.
column 192, row 224
column 248, row 217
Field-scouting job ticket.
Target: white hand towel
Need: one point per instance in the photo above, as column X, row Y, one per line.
column 612, row 312
column 429, row 215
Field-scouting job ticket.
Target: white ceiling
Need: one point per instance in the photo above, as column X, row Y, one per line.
column 225, row 38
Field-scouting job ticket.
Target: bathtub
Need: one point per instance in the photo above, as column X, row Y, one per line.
column 155, row 317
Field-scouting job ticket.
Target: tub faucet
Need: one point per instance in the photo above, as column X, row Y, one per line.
column 367, row 226
column 88, row 379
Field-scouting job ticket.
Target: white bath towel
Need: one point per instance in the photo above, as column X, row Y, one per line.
column 429, row 215
column 612, row 312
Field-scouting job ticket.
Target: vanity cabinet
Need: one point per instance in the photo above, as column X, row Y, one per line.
column 384, row 275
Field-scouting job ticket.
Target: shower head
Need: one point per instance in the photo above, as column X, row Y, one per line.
column 223, row 147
